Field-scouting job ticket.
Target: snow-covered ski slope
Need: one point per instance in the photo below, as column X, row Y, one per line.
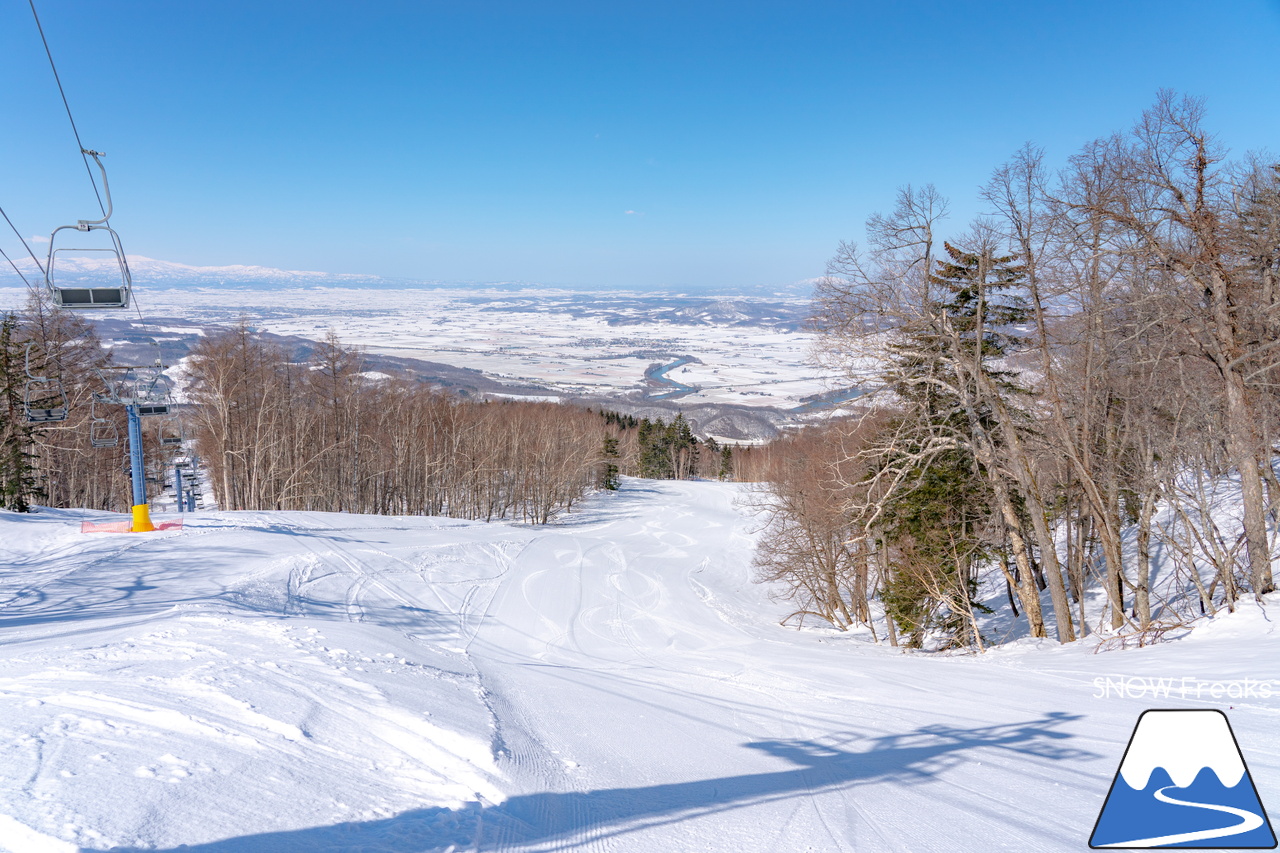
column 614, row 682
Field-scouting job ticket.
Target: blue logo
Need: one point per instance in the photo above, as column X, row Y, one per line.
column 1183, row 783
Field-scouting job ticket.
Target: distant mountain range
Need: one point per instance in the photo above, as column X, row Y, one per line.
column 150, row 272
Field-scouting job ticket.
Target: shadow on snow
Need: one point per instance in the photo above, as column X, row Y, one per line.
column 560, row 821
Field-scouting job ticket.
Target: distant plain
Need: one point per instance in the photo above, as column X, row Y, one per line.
column 741, row 350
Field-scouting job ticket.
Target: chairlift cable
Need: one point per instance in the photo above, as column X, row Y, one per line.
column 18, row 233
column 84, row 156
column 15, row 269
column 62, row 92
column 137, row 307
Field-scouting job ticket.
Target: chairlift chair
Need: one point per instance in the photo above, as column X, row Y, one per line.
column 151, row 397
column 43, row 400
column 111, row 296
column 44, row 403
column 171, row 434
column 102, row 432
column 151, row 389
column 144, row 387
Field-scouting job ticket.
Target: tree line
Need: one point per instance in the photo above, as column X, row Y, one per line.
column 1058, row 392
column 277, row 431
column 657, row 450
column 320, row 434
column 55, row 463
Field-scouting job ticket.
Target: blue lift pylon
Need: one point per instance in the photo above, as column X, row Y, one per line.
column 141, row 511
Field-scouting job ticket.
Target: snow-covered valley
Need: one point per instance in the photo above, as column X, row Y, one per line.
column 745, row 350
column 615, row 681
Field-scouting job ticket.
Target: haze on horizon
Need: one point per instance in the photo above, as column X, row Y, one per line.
column 652, row 146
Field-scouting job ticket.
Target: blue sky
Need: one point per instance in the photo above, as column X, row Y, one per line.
column 654, row 145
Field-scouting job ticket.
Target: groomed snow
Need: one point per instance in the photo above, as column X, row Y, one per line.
column 326, row 682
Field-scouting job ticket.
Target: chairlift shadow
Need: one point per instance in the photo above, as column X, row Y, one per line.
column 562, row 820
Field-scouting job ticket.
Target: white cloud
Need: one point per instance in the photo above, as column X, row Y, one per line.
column 634, row 213
column 38, row 239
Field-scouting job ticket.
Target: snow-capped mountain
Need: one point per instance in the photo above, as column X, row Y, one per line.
column 1183, row 743
column 151, row 271
column 93, row 269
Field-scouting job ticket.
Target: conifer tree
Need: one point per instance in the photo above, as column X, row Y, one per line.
column 683, row 448
column 610, row 479
column 18, row 481
column 937, row 538
column 655, row 446
column 726, row 463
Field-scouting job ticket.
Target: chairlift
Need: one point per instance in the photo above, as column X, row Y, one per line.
column 102, row 432
column 171, row 434
column 44, row 400
column 143, row 386
column 151, row 395
column 113, row 296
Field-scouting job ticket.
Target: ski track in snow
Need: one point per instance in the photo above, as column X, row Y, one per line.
column 610, row 683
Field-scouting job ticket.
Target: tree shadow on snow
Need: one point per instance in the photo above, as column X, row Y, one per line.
column 561, row 821
column 132, row 584
column 93, row 590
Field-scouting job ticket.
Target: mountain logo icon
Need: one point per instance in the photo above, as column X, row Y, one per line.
column 1183, row 783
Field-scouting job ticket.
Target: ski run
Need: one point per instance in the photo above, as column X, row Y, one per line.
column 286, row 681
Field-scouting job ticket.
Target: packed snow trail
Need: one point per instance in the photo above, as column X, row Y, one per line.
column 613, row 682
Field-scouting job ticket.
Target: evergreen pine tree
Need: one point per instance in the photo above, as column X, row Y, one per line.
column 682, row 446
column 610, row 480
column 726, row 463
column 938, row 530
column 655, row 450
column 936, row 538
column 17, row 475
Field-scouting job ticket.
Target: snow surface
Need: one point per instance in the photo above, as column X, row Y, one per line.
column 614, row 682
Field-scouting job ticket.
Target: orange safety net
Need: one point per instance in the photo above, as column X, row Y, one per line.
column 124, row 526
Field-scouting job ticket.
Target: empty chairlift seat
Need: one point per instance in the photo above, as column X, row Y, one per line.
column 91, row 297
column 114, row 290
column 102, row 432
column 43, row 400
column 44, row 403
column 109, row 284
column 171, row 435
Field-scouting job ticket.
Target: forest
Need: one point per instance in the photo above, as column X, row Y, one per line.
column 55, row 463
column 281, row 430
column 1060, row 392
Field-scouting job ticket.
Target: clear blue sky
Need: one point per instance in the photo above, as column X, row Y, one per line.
column 636, row 145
